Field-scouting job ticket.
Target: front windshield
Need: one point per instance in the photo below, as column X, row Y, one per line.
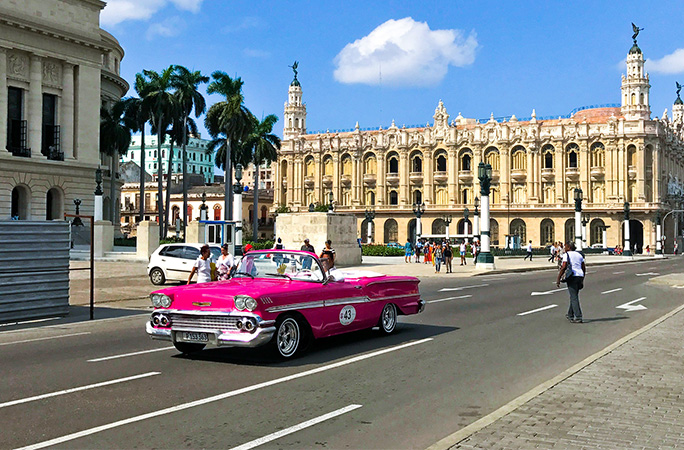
column 282, row 265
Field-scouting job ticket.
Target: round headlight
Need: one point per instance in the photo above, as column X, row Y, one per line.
column 165, row 300
column 239, row 302
column 156, row 300
column 250, row 303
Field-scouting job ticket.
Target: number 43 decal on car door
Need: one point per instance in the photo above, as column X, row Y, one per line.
column 347, row 315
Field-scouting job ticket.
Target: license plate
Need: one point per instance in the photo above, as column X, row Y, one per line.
column 195, row 337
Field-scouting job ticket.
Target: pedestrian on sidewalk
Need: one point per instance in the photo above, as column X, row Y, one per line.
column 428, row 253
column 448, row 256
column 676, row 246
column 438, row 257
column 408, row 251
column 203, row 266
column 225, row 264
column 552, row 250
column 572, row 272
column 529, row 251
column 462, row 251
column 476, row 251
column 307, row 247
column 419, row 249
column 329, row 252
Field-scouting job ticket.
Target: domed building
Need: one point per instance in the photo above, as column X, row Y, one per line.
column 613, row 153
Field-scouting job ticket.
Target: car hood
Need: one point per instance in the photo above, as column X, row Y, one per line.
column 219, row 295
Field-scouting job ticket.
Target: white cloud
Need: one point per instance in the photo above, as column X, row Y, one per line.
column 118, row 11
column 168, row 27
column 256, row 53
column 245, row 24
column 670, row 64
column 404, row 52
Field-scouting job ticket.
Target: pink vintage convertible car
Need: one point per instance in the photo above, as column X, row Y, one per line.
column 280, row 296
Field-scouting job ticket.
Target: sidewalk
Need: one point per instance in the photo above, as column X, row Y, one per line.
column 628, row 396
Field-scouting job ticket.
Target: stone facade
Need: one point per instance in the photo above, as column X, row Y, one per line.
column 614, row 153
column 55, row 62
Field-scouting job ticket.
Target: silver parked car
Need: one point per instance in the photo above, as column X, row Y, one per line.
column 173, row 262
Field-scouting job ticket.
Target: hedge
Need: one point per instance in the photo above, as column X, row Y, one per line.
column 381, row 250
column 125, row 242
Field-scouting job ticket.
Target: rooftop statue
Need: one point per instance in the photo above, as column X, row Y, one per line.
column 636, row 30
column 294, row 68
column 679, row 88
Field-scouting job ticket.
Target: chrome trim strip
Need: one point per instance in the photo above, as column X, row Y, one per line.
column 347, row 301
column 293, row 306
column 384, row 281
column 193, row 312
column 392, row 297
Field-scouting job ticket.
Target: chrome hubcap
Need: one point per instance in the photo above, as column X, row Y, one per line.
column 389, row 317
column 288, row 337
column 156, row 276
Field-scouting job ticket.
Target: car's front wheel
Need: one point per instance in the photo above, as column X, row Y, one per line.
column 388, row 319
column 289, row 336
column 187, row 347
column 157, row 276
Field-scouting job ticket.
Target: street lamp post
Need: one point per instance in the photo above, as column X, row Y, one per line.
column 331, row 206
column 447, row 220
column 370, row 215
column 578, row 218
column 98, row 195
column 659, row 239
column 203, row 206
column 485, row 259
column 237, row 207
column 585, row 221
column 476, row 221
column 418, row 210
column 465, row 223
column 627, row 250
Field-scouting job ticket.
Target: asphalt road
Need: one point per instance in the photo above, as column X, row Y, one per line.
column 469, row 353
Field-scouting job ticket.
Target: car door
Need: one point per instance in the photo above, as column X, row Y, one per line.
column 345, row 307
column 190, row 255
column 171, row 259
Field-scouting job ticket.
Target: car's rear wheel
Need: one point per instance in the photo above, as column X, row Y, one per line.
column 290, row 336
column 388, row 319
column 187, row 347
column 157, row 276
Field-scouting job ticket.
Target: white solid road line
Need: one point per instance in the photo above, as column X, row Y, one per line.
column 294, row 429
column 45, row 338
column 107, row 358
column 616, row 273
column 28, row 321
column 537, row 310
column 76, row 324
column 462, row 287
column 76, row 389
column 215, row 398
column 449, row 298
column 611, row 291
column 546, row 292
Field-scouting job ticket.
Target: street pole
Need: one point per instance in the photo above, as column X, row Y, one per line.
column 418, row 210
column 627, row 250
column 485, row 259
column 465, row 223
column 476, row 220
column 659, row 241
column 578, row 219
column 370, row 215
column 237, row 208
column 98, row 196
column 447, row 220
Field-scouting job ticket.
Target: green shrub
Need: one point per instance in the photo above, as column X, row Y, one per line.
column 125, row 242
column 261, row 245
column 171, row 240
column 381, row 250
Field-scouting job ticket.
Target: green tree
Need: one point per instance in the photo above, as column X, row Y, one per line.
column 115, row 138
column 163, row 107
column 185, row 83
column 177, row 135
column 228, row 123
column 262, row 145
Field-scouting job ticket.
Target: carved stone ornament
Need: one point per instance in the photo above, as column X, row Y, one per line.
column 17, row 65
column 51, row 73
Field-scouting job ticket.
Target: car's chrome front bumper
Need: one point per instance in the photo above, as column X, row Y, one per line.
column 262, row 335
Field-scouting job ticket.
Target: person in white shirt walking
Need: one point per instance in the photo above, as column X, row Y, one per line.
column 552, row 251
column 574, row 278
column 529, row 251
column 202, row 266
column 225, row 263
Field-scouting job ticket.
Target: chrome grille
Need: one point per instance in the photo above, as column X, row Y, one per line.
column 208, row 322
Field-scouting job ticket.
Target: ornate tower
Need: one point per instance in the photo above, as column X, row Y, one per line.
column 635, row 86
column 295, row 109
column 678, row 107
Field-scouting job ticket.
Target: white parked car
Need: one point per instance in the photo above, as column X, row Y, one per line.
column 173, row 262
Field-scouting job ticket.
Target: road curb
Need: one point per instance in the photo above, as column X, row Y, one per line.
column 555, row 269
column 511, row 406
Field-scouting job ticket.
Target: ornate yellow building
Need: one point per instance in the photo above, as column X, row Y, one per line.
column 614, row 153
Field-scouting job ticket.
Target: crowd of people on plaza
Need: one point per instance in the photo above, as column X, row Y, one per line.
column 438, row 252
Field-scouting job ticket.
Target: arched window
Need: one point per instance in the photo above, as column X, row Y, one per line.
column 54, row 204
column 495, row 195
column 547, row 232
column 548, row 151
column 641, row 99
column 438, row 226
column 441, row 197
column 264, row 214
column 417, row 197
column 393, row 198
column 296, row 123
column 290, row 122
column 346, row 165
column 370, row 198
column 519, row 194
column 572, row 151
column 494, row 231
column 217, row 212
column 461, row 227
column 393, row 163
column 596, row 231
column 631, row 156
column 633, row 98
column 598, row 155
column 21, row 203
column 370, row 165
column 309, row 163
column 464, row 196
column 465, row 162
column 598, row 192
column 548, row 193
column 327, row 165
column 441, row 163
column 492, row 157
column 519, row 159
column 416, row 162
column 518, row 228
column 391, row 231
column 570, row 230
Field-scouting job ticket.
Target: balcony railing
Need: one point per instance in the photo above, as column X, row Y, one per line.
column 17, row 138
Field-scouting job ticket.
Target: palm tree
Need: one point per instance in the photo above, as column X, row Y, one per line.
column 163, row 106
column 185, row 84
column 115, row 138
column 263, row 147
column 137, row 108
column 176, row 135
column 231, row 119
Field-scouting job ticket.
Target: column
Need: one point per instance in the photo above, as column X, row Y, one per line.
column 656, row 173
column 356, row 180
column 336, row 179
column 627, row 250
column 530, row 175
column 35, row 107
column 404, row 173
column 505, row 175
column 452, row 177
column 604, row 237
column 559, row 172
column 66, row 114
column 380, row 183
column 578, row 230
column 584, row 171
column 289, row 191
column 3, row 100
column 428, row 178
column 278, row 182
column 641, row 176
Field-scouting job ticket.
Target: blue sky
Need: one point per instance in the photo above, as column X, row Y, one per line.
column 503, row 57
